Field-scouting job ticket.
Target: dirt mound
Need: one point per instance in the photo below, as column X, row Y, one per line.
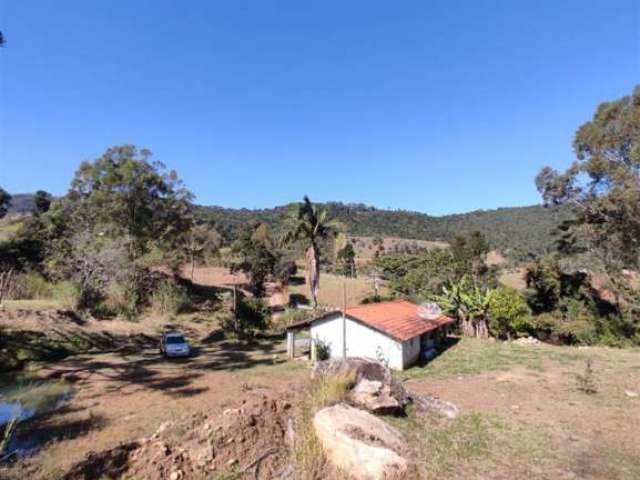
column 253, row 437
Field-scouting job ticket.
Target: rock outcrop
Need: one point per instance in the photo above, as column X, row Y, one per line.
column 374, row 388
column 360, row 443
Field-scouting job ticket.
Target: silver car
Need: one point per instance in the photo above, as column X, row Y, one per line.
column 174, row 345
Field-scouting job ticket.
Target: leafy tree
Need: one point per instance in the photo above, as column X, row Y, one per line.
column 603, row 187
column 307, row 224
column 126, row 195
column 258, row 259
column 544, row 283
column 285, row 269
column 5, row 202
column 42, row 202
column 118, row 208
column 199, row 242
column 509, row 314
column 347, row 258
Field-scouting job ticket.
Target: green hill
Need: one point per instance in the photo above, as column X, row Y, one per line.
column 516, row 231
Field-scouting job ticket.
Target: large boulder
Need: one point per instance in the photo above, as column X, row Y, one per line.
column 352, row 367
column 378, row 397
column 374, row 388
column 360, row 443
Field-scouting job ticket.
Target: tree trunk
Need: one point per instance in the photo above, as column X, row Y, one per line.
column 193, row 265
column 466, row 324
column 313, row 272
column 481, row 328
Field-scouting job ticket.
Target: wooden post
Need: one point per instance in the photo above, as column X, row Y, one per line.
column 313, row 350
column 291, row 343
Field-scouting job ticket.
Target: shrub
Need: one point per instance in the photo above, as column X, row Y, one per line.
column 323, row 350
column 169, row 298
column 253, row 314
column 282, row 321
column 509, row 314
column 120, row 299
column 67, row 294
column 586, row 381
column 31, row 286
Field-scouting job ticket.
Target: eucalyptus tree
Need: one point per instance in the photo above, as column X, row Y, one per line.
column 307, row 224
column 603, row 186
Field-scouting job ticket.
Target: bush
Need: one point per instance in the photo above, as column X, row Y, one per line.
column 31, row 286
column 120, row 299
column 253, row 314
column 282, row 321
column 169, row 298
column 66, row 293
column 509, row 314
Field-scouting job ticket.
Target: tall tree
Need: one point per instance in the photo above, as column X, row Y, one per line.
column 199, row 242
column 346, row 257
column 5, row 202
column 307, row 224
column 126, row 195
column 258, row 259
column 603, row 186
column 41, row 202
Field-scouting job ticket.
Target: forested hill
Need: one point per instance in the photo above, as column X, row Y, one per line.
column 516, row 231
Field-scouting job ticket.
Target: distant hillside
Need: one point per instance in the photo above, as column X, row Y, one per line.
column 515, row 231
column 21, row 203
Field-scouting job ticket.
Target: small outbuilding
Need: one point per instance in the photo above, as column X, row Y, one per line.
column 396, row 333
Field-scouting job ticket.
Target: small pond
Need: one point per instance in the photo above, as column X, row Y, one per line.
column 24, row 400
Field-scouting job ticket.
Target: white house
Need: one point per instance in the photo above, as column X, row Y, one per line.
column 393, row 332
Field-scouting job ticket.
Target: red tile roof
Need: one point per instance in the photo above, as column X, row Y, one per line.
column 398, row 319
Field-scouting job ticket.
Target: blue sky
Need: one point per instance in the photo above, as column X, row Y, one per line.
column 436, row 106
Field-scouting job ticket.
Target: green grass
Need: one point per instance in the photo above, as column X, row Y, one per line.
column 8, row 227
column 444, row 448
column 471, row 356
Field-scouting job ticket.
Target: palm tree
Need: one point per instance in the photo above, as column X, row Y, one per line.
column 307, row 224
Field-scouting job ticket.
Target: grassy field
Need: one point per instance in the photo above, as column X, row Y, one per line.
column 524, row 413
column 332, row 289
column 365, row 248
column 513, row 279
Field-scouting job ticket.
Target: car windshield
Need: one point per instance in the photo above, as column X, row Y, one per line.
column 173, row 339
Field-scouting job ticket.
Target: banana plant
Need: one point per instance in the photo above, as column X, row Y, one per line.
column 469, row 303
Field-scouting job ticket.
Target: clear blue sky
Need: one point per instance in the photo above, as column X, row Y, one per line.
column 436, row 106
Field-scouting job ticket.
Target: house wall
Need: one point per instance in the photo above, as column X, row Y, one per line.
column 411, row 351
column 363, row 341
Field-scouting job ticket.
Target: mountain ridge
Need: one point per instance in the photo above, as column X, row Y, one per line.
column 518, row 232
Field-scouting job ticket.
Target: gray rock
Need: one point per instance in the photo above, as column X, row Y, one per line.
column 374, row 389
column 425, row 404
column 360, row 444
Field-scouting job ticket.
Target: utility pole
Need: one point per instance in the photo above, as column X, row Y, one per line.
column 344, row 318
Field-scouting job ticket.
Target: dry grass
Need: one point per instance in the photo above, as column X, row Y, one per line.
column 514, row 279
column 332, row 287
column 307, row 451
column 365, row 249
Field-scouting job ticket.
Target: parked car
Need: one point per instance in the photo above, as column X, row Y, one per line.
column 173, row 344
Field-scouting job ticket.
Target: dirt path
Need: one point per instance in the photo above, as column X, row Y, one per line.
column 118, row 398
